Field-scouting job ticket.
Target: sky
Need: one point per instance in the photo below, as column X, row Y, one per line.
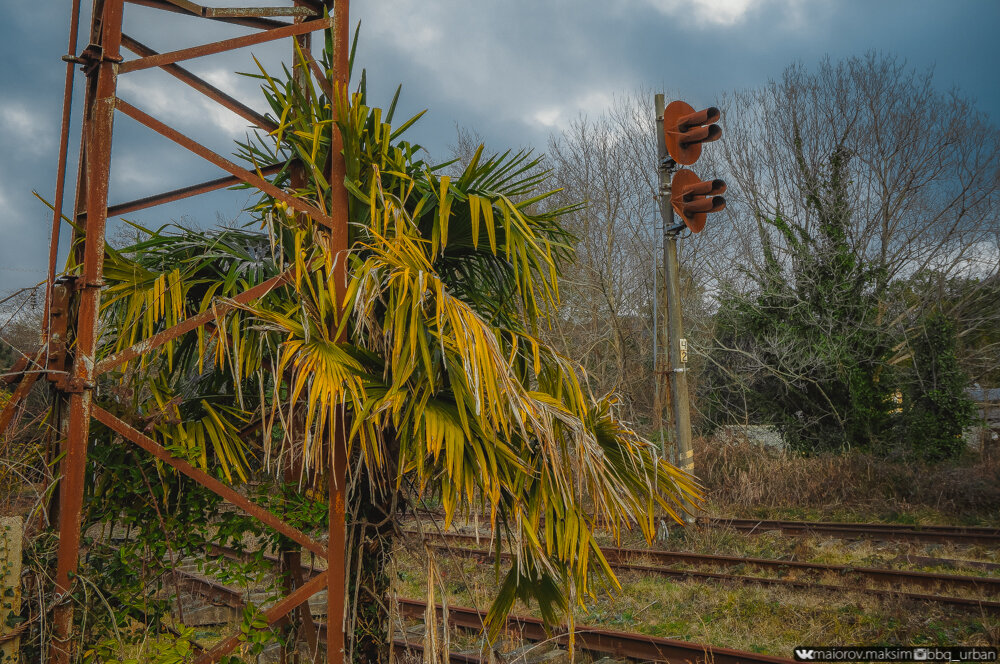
column 514, row 71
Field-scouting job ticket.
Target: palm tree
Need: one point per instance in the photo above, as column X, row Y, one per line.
column 451, row 394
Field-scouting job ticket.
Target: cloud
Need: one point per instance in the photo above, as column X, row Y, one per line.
column 590, row 103
column 723, row 13
column 705, row 12
column 181, row 107
column 23, row 129
column 517, row 84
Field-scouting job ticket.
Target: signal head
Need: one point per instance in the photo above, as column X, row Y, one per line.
column 685, row 129
column 694, row 199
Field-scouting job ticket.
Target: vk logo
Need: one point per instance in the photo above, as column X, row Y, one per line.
column 802, row 654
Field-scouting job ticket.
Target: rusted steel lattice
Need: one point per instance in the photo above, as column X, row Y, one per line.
column 73, row 302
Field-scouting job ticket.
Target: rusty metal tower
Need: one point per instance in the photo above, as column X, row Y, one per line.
column 72, row 303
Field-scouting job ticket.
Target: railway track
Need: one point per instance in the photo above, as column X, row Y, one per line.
column 598, row 641
column 622, row 560
column 878, row 531
column 634, row 560
column 932, row 580
column 947, row 562
column 842, row 530
column 595, row 640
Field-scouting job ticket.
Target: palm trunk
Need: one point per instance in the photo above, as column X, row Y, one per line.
column 370, row 548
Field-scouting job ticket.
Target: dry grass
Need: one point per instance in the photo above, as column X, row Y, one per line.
column 863, row 553
column 748, row 480
column 768, row 620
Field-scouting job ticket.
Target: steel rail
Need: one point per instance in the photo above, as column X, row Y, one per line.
column 878, row 531
column 923, row 579
column 883, row 531
column 988, row 606
column 596, row 640
column 593, row 639
column 930, row 561
column 456, row 657
column 914, row 577
column 218, row 594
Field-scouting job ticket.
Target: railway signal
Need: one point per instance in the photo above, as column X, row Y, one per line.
column 693, row 200
column 685, row 129
column 681, row 132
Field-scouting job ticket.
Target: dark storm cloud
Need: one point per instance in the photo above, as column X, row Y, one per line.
column 515, row 71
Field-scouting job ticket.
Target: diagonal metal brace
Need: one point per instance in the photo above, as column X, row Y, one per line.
column 207, row 481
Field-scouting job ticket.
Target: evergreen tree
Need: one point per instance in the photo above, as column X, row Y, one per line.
column 936, row 410
column 805, row 346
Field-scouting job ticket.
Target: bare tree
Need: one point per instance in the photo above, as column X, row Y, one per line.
column 880, row 176
column 606, row 294
column 923, row 164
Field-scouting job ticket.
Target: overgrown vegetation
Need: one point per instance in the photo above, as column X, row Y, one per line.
column 847, row 317
column 755, row 619
column 743, row 479
column 803, row 344
column 937, row 410
column 427, row 360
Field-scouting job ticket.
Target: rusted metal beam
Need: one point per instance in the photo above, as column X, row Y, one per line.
column 17, row 399
column 225, row 45
column 206, row 480
column 225, row 164
column 217, row 12
column 257, row 22
column 98, row 128
column 57, row 202
column 178, row 194
column 212, row 12
column 320, row 75
column 188, row 6
column 58, row 328
column 192, row 323
column 17, row 371
column 202, row 86
column 291, row 558
column 272, row 615
column 337, row 487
